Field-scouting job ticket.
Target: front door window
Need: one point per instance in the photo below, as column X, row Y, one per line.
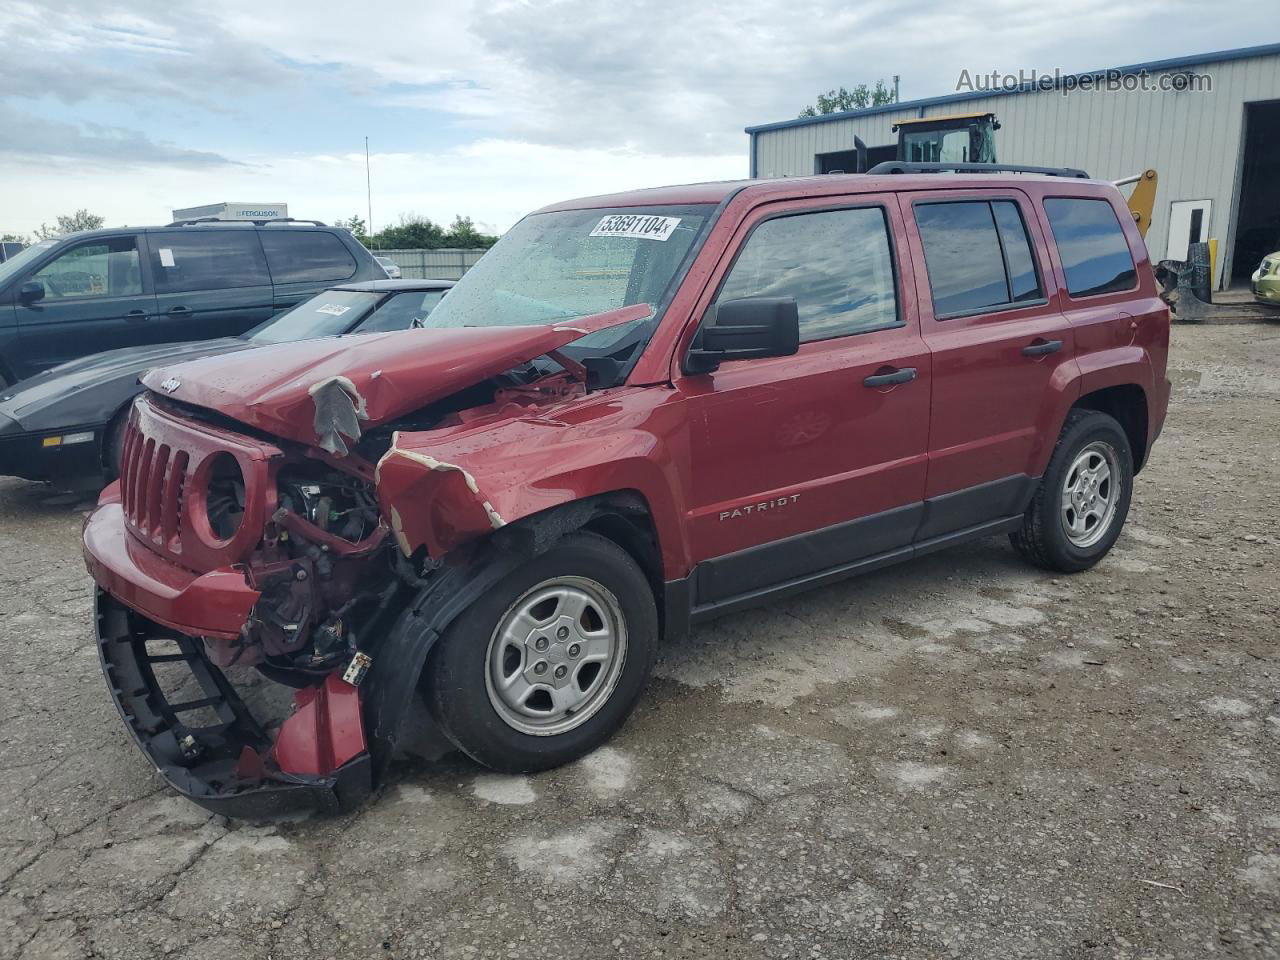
column 100, row 268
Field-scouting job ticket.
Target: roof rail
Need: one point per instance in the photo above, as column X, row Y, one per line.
column 256, row 223
column 899, row 166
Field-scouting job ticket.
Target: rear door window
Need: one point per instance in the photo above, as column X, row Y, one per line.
column 1092, row 246
column 978, row 256
column 199, row 259
column 836, row 264
column 1020, row 264
column 297, row 256
column 101, row 268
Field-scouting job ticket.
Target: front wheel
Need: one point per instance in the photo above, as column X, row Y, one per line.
column 543, row 668
column 1083, row 498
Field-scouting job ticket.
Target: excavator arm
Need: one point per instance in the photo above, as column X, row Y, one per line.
column 1142, row 201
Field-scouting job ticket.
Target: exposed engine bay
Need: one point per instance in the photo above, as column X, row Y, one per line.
column 326, row 567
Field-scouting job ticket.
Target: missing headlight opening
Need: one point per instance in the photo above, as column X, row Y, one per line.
column 315, row 575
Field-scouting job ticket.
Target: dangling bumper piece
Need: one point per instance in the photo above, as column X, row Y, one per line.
column 318, row 761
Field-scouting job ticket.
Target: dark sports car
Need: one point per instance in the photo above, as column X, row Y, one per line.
column 65, row 425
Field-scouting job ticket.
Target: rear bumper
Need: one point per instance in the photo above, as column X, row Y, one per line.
column 231, row 766
column 213, row 604
column 24, row 454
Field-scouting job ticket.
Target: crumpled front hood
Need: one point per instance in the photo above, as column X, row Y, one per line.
column 64, row 385
column 316, row 391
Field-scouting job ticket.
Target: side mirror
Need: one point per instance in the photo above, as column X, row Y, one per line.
column 31, row 291
column 746, row 328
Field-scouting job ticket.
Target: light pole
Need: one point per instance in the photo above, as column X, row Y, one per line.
column 368, row 187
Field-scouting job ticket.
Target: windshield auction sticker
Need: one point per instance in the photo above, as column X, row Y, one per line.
column 332, row 309
column 636, row 227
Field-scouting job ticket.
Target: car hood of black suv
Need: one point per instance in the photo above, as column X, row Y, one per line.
column 82, row 392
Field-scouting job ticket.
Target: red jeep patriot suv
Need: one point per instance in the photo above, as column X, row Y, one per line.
column 635, row 413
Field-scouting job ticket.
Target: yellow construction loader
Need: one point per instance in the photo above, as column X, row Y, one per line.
column 970, row 138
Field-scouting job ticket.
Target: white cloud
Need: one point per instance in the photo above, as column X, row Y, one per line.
column 493, row 181
column 90, row 146
column 562, row 97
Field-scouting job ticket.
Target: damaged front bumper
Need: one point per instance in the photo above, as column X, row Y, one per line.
column 318, row 760
column 214, row 604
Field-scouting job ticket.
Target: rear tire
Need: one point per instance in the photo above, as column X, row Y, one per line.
column 547, row 665
column 1081, row 503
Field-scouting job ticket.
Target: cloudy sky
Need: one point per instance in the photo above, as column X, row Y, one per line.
column 484, row 108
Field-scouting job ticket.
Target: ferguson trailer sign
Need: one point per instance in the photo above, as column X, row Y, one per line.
column 235, row 211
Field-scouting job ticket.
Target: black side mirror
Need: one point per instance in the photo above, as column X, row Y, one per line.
column 31, row 291
column 746, row 328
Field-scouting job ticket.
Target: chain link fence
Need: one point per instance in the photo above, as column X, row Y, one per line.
column 445, row 264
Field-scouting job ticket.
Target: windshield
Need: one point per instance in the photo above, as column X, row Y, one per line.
column 968, row 144
column 324, row 315
column 556, row 266
column 21, row 261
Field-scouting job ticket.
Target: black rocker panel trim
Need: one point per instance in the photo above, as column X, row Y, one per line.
column 806, row 553
column 1006, row 497
column 779, row 569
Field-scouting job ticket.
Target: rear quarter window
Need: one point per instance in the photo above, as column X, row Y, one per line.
column 1092, row 246
column 297, row 256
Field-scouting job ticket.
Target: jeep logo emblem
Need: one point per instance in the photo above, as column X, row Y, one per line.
column 170, row 385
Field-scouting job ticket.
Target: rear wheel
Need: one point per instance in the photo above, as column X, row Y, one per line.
column 1083, row 498
column 544, row 667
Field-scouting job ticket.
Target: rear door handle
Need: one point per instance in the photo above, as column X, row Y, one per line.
column 891, row 378
column 136, row 316
column 1040, row 348
column 179, row 310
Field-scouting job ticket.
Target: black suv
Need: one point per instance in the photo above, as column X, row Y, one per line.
column 192, row 280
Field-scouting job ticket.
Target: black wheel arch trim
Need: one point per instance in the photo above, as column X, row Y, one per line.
column 392, row 682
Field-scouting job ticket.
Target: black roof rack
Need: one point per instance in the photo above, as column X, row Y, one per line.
column 256, row 223
column 899, row 166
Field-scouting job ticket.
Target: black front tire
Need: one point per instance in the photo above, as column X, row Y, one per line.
column 1043, row 539
column 454, row 681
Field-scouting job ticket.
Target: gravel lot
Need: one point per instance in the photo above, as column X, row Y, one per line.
column 962, row 757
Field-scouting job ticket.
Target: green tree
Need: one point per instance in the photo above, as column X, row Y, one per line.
column 463, row 233
column 82, row 219
column 357, row 226
column 416, row 232
column 412, row 232
column 838, row 101
column 14, row 238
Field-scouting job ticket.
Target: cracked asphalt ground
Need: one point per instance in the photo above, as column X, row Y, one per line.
column 962, row 757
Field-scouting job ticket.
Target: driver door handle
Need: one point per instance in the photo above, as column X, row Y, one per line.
column 136, row 316
column 890, row 378
column 1039, row 348
column 179, row 311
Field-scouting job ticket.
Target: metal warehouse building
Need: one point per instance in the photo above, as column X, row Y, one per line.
column 1216, row 150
